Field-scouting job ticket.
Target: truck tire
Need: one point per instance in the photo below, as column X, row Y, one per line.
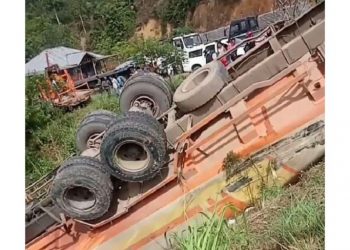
column 142, row 93
column 93, row 125
column 201, row 86
column 146, row 119
column 82, row 191
column 133, row 150
column 101, row 113
column 85, row 160
column 152, row 78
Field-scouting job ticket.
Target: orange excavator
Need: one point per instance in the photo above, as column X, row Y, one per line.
column 151, row 171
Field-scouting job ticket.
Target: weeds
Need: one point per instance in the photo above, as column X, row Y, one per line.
column 212, row 233
column 49, row 145
column 231, row 164
column 301, row 221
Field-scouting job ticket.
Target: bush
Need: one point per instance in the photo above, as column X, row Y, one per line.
column 38, row 113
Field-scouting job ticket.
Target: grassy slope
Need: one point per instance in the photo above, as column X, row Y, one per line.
column 291, row 218
column 51, row 145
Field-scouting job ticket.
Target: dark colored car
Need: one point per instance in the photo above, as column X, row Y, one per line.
column 242, row 27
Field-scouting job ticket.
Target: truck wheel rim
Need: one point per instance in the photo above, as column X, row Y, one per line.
column 132, row 156
column 146, row 103
column 94, row 141
column 80, row 198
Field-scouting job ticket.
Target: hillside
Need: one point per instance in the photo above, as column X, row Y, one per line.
column 99, row 25
column 206, row 15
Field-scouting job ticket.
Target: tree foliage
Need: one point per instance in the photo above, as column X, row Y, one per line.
column 42, row 34
column 175, row 11
column 102, row 24
column 116, row 22
column 182, row 31
column 145, row 51
column 38, row 113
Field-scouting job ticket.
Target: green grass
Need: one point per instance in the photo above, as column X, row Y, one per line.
column 49, row 146
column 177, row 80
column 303, row 220
column 213, row 233
column 291, row 218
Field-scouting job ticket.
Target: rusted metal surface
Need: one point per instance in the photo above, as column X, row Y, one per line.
column 68, row 94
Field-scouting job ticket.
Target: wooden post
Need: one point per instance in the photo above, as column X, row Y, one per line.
column 82, row 23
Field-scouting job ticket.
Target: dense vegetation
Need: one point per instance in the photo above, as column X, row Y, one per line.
column 95, row 25
column 50, row 132
column 92, row 24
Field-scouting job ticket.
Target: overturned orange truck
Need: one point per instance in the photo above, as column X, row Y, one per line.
column 149, row 172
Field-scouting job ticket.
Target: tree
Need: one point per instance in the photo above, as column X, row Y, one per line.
column 145, row 51
column 117, row 22
column 42, row 34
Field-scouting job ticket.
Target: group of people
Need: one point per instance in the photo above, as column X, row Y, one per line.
column 117, row 83
column 223, row 48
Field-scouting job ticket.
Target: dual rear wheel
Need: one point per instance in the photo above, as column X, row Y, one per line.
column 133, row 149
column 133, row 146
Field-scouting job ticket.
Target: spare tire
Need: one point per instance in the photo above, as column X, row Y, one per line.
column 145, row 95
column 91, row 127
column 133, row 150
column 82, row 190
column 201, row 86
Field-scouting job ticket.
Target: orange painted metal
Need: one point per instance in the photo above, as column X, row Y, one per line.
column 69, row 95
column 275, row 112
column 243, row 116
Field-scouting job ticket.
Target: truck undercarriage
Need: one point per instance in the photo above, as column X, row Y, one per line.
column 266, row 107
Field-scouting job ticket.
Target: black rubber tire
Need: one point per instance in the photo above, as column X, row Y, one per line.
column 144, row 134
column 146, row 119
column 152, row 78
column 82, row 175
column 95, row 122
column 143, row 88
column 86, row 160
column 201, row 86
column 106, row 114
